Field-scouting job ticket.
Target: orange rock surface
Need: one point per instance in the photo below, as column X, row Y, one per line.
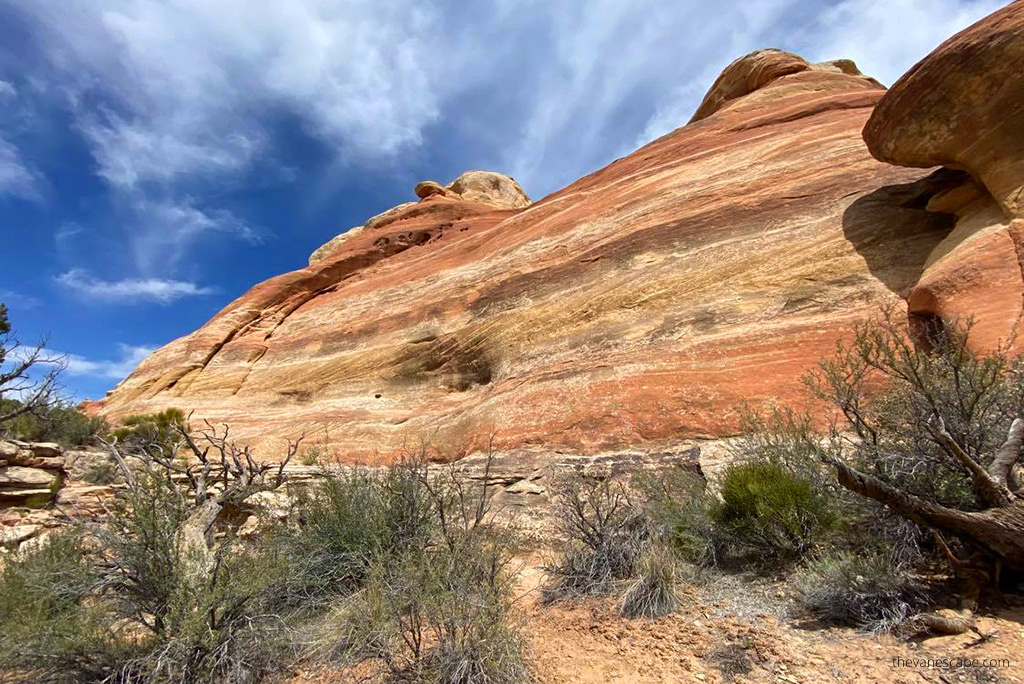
column 963, row 107
column 637, row 306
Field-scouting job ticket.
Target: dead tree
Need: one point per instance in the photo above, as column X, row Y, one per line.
column 997, row 531
column 34, row 392
column 213, row 472
column 933, row 431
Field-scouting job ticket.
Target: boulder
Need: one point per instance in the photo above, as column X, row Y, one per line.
column 19, row 477
column 488, row 187
column 32, row 455
column 429, row 188
column 92, row 466
column 12, row 536
column 760, row 68
column 961, row 107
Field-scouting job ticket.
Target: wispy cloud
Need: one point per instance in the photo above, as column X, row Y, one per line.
column 129, row 291
column 174, row 99
column 164, row 230
column 190, row 88
column 116, row 369
column 19, row 299
column 17, row 177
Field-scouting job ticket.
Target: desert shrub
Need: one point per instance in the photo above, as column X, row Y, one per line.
column 350, row 519
column 60, row 423
column 870, row 591
column 787, row 439
column 771, row 510
column 888, row 391
column 603, row 533
column 48, row 628
column 139, row 539
column 218, row 627
column 101, row 472
column 438, row 606
column 679, row 507
column 927, row 427
column 314, row 455
column 652, row 592
column 733, row 658
column 126, row 600
column 151, row 430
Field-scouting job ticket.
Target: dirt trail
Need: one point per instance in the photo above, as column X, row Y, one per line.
column 588, row 643
column 705, row 643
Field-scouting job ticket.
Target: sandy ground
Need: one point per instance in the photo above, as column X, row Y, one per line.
column 718, row 636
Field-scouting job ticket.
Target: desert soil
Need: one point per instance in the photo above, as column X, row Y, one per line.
column 737, row 631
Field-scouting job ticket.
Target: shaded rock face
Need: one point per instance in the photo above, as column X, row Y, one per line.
column 635, row 308
column 962, row 106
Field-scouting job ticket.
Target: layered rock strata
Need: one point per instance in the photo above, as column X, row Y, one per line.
column 640, row 305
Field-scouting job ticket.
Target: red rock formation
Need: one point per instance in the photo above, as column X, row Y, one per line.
column 963, row 107
column 639, row 305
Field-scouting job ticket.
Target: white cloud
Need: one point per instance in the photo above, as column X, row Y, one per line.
column 157, row 290
column 190, row 86
column 17, row 178
column 130, row 357
column 887, row 37
column 162, row 231
column 7, row 90
column 182, row 94
column 18, row 299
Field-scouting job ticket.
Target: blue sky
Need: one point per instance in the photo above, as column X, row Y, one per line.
column 160, row 157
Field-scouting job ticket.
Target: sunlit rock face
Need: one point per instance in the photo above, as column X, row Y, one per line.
column 634, row 308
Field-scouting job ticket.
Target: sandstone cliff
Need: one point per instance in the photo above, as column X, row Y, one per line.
column 640, row 304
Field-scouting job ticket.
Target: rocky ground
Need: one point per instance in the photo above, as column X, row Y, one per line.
column 714, row 639
column 740, row 632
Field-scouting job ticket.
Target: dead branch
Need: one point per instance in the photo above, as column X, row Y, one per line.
column 1007, row 456
column 989, row 490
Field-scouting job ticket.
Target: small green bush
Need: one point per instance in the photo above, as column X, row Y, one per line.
column 349, row 520
column 770, row 510
column 680, row 508
column 870, row 591
column 146, row 430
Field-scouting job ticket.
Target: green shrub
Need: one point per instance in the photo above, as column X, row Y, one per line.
column 60, row 423
column 151, row 430
column 603, row 533
column 48, row 628
column 219, row 627
column 870, row 591
column 680, row 508
column 438, row 606
column 123, row 607
column 351, row 518
column 770, row 510
column 652, row 592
